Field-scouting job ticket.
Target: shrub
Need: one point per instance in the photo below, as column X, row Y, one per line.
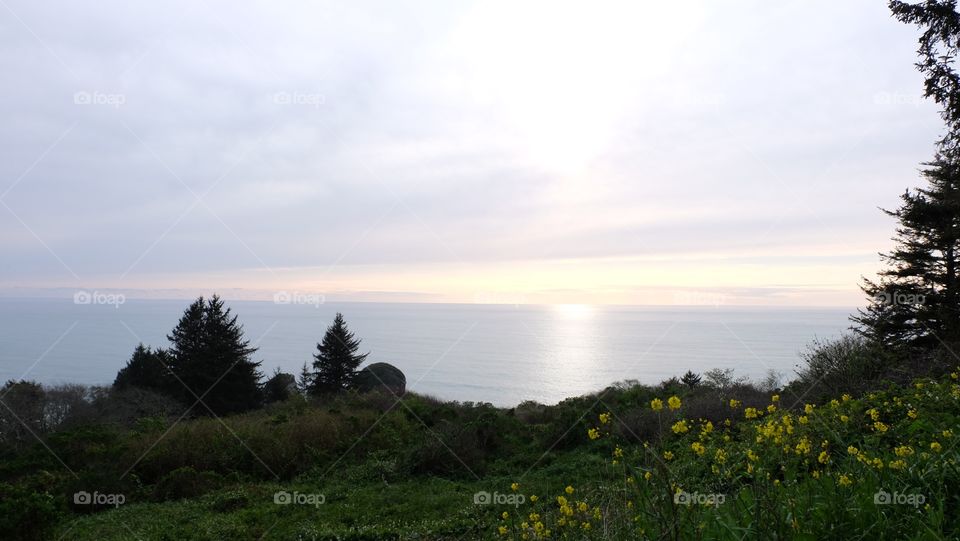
column 849, row 364
column 186, row 482
column 24, row 514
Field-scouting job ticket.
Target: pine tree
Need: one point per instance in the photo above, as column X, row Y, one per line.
column 690, row 379
column 336, row 361
column 916, row 302
column 305, row 381
column 147, row 369
column 212, row 359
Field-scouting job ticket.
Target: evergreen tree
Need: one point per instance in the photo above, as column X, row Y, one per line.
column 211, row 358
column 336, row 361
column 147, row 369
column 305, row 381
column 916, row 302
column 690, row 379
column 939, row 44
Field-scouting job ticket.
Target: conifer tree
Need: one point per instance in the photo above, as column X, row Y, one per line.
column 915, row 302
column 147, row 369
column 336, row 361
column 211, row 358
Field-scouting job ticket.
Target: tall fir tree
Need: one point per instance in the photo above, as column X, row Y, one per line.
column 211, row 357
column 147, row 369
column 915, row 302
column 336, row 361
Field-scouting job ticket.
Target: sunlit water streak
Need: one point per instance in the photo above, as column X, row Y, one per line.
column 493, row 353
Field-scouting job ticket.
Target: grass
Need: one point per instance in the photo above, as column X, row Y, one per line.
column 610, row 466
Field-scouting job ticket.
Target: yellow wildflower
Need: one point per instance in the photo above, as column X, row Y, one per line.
column 734, row 403
column 656, row 404
column 668, row 455
column 775, row 398
column 824, row 457
column 844, row 480
column 935, row 447
column 750, row 413
column 503, row 530
column 698, row 447
column 912, row 414
column 903, row 450
column 673, row 402
column 568, row 490
column 680, row 427
column 604, row 418
column 515, row 487
column 808, row 409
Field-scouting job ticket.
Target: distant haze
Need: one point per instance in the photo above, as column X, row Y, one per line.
column 502, row 152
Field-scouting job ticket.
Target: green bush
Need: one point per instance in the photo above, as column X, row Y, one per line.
column 25, row 514
column 186, row 482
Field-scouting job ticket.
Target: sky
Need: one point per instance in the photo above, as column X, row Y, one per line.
column 507, row 152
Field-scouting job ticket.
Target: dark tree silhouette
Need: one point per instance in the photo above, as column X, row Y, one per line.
column 211, row 360
column 915, row 302
column 147, row 369
column 690, row 379
column 336, row 361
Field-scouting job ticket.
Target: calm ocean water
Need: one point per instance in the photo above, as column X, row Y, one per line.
column 501, row 354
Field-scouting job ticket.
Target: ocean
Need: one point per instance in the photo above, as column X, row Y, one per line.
column 502, row 354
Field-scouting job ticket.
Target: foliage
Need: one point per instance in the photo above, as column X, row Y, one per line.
column 211, row 360
column 337, row 359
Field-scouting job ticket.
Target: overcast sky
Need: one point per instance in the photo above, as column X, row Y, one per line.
column 642, row 153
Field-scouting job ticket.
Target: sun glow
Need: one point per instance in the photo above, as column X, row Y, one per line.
column 563, row 89
column 574, row 311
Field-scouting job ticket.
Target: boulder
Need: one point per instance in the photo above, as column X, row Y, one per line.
column 381, row 376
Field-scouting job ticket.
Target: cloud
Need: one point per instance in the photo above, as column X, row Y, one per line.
column 176, row 146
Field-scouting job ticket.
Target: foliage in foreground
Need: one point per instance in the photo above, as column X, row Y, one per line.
column 883, row 466
column 691, row 463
